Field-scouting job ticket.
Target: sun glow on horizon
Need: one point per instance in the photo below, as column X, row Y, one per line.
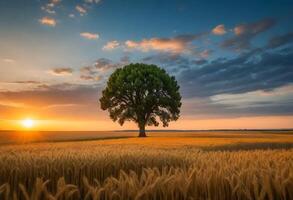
column 28, row 123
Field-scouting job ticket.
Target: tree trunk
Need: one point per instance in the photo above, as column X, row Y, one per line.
column 142, row 130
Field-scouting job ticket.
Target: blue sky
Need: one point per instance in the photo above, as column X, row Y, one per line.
column 231, row 58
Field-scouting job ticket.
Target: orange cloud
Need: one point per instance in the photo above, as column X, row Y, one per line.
column 219, row 30
column 61, row 71
column 244, row 33
column 157, row 44
column 177, row 44
column 238, row 30
column 111, row 45
column 90, row 36
column 48, row 21
column 254, row 28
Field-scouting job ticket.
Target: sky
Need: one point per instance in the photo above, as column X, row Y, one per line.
column 233, row 60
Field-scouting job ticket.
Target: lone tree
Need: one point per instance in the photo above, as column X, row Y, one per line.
column 142, row 93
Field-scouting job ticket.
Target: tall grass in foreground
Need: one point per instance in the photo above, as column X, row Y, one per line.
column 84, row 171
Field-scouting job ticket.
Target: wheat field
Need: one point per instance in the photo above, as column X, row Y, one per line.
column 212, row 166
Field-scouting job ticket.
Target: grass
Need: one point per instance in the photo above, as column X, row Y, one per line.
column 202, row 165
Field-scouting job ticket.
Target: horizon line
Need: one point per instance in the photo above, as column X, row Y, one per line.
column 153, row 130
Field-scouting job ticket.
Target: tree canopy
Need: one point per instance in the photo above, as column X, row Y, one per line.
column 142, row 93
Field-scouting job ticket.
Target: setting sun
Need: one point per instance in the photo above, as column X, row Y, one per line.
column 28, row 123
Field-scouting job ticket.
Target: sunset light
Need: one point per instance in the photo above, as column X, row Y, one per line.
column 28, row 123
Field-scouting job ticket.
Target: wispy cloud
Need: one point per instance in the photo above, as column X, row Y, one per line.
column 88, row 70
column 48, row 21
column 125, row 59
column 205, row 53
column 92, row 1
column 88, row 73
column 104, row 64
column 111, row 45
column 27, row 82
column 53, row 94
column 49, row 7
column 251, row 71
column 90, row 36
column 90, row 78
column 52, row 7
column 102, row 67
column 71, row 15
column 61, row 71
column 168, row 60
column 281, row 40
column 219, row 30
column 244, row 33
column 48, row 10
column 8, row 60
column 81, row 10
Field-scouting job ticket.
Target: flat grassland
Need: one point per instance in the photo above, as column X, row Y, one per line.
column 166, row 165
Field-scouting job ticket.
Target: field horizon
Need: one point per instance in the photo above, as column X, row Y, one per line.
column 164, row 165
column 27, row 136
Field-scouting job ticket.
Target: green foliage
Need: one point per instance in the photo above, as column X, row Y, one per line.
column 143, row 94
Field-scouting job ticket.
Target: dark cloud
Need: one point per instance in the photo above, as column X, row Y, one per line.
column 173, row 63
column 64, row 93
column 27, row 82
column 88, row 73
column 281, row 40
column 125, row 59
column 200, row 80
column 60, row 101
column 88, row 70
column 104, row 64
column 61, row 71
column 205, row 53
column 199, row 62
column 102, row 67
column 86, row 77
column 256, row 70
column 173, row 60
column 167, row 59
column 90, row 77
column 245, row 33
column 189, row 37
column 207, row 108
